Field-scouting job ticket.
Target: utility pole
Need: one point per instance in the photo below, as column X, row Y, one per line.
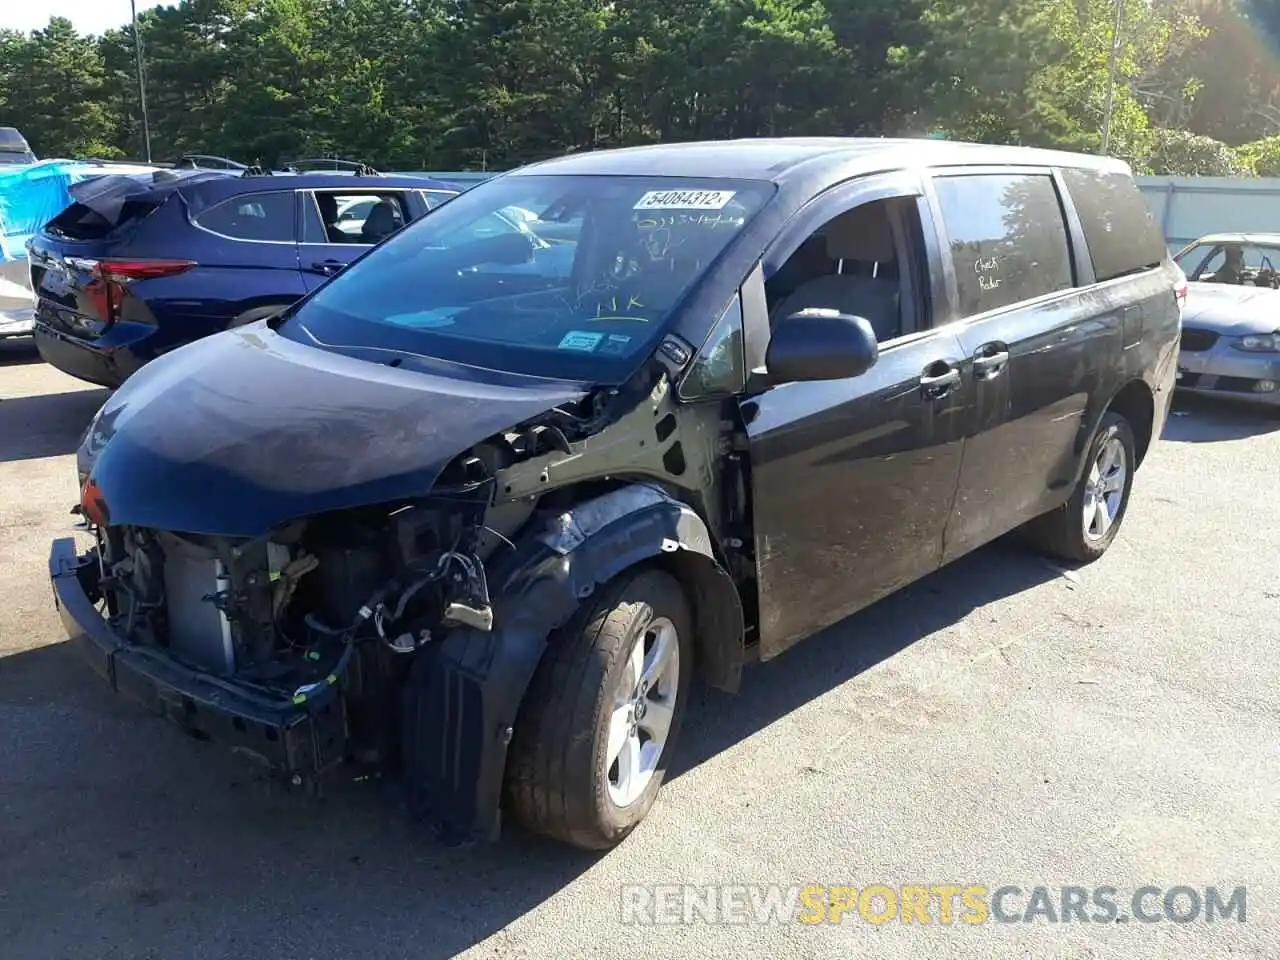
column 1111, row 76
column 142, row 83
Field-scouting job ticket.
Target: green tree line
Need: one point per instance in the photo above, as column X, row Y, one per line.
column 466, row 84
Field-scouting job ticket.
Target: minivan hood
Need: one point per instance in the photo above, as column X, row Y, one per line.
column 1232, row 310
column 240, row 432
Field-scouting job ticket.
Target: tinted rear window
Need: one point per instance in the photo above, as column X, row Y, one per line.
column 254, row 216
column 1121, row 233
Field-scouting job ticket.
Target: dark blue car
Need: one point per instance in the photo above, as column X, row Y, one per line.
column 137, row 266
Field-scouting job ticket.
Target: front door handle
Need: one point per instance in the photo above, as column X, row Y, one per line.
column 939, row 379
column 990, row 361
column 328, row 266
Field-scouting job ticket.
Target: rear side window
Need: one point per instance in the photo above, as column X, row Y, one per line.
column 364, row 218
column 1118, row 226
column 254, row 216
column 1007, row 237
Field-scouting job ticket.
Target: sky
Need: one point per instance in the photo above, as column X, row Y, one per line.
column 89, row 16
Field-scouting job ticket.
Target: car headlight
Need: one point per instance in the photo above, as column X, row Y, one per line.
column 1259, row 343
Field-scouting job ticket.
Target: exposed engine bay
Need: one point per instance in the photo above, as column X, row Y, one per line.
column 337, row 597
column 337, row 605
column 251, row 609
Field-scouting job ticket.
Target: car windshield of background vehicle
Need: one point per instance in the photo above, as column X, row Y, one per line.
column 1244, row 264
column 565, row 277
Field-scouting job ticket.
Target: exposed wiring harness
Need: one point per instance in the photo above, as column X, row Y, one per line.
column 377, row 610
column 309, row 693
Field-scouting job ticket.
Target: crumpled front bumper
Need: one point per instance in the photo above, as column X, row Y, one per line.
column 291, row 741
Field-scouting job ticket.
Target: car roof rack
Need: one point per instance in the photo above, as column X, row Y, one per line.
column 205, row 161
column 332, row 163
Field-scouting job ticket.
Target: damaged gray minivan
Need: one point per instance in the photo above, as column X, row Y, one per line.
column 480, row 509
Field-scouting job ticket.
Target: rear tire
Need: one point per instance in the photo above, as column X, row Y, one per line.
column 591, row 745
column 1084, row 527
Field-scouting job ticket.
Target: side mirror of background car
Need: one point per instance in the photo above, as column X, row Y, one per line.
column 817, row 344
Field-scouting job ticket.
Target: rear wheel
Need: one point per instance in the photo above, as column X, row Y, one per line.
column 1084, row 527
column 591, row 746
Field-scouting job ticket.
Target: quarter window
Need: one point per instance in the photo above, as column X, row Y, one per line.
column 1118, row 227
column 1007, row 236
column 433, row 198
column 720, row 367
column 255, row 216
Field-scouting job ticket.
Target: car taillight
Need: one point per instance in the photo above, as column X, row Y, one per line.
column 122, row 271
column 1180, row 294
column 110, row 276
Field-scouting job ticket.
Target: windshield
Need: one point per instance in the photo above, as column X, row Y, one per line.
column 566, row 277
column 1239, row 263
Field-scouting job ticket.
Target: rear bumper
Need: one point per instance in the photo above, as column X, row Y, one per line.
column 290, row 741
column 85, row 360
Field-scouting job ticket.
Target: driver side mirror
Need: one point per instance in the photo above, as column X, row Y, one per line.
column 818, row 344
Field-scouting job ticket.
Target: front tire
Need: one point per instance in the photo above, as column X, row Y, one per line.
column 602, row 712
column 1084, row 527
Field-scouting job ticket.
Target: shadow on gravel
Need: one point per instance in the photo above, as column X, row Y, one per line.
column 48, row 425
column 772, row 690
column 18, row 350
column 126, row 838
column 1196, row 419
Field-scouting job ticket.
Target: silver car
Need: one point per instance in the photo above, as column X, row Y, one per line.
column 1231, row 321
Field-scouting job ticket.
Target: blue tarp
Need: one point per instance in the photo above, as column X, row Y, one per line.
column 33, row 194
column 30, row 196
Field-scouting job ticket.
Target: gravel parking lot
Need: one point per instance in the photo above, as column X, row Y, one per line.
column 1000, row 723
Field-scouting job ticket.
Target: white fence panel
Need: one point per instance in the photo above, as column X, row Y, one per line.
column 1190, row 207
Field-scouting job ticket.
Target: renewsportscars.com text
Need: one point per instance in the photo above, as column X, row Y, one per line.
column 943, row 904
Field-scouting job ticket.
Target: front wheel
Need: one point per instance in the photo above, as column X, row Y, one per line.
column 1084, row 527
column 591, row 745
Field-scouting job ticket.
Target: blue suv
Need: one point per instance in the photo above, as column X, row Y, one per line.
column 137, row 266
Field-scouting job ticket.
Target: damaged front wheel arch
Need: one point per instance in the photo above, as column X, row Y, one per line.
column 466, row 693
column 718, row 619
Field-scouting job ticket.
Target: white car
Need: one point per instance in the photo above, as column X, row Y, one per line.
column 17, row 302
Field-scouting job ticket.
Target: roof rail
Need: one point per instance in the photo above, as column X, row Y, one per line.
column 256, row 170
column 205, row 161
column 108, row 162
column 332, row 163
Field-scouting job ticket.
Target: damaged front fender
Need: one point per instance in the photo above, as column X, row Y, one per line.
column 463, row 698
